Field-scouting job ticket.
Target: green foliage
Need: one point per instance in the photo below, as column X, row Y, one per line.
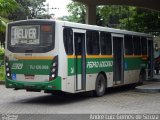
column 28, row 9
column 142, row 20
column 6, row 6
column 2, row 72
column 111, row 14
column 2, row 69
column 3, row 24
column 77, row 12
column 1, row 54
column 121, row 17
column 37, row 8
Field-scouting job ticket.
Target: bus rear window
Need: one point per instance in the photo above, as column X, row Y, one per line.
column 24, row 35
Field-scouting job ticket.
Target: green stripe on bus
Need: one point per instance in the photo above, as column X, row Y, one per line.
column 134, row 63
column 96, row 65
column 31, row 67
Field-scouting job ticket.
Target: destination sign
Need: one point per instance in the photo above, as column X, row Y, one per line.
column 25, row 35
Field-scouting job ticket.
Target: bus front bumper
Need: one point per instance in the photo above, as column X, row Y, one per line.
column 34, row 86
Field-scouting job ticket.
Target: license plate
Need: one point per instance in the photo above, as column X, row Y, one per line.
column 30, row 77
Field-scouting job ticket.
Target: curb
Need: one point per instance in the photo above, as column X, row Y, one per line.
column 156, row 80
column 2, row 82
column 148, row 90
column 153, row 80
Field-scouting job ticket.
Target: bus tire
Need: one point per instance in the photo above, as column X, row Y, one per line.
column 142, row 76
column 100, row 86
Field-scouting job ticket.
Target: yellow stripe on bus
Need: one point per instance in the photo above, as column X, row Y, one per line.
column 135, row 56
column 91, row 56
column 34, row 57
column 108, row 56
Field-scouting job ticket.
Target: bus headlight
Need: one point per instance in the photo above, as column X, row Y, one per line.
column 54, row 69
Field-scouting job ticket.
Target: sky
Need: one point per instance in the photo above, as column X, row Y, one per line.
column 60, row 4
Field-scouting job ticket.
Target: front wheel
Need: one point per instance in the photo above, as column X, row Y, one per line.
column 100, row 86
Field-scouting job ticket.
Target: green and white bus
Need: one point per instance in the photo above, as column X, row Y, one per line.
column 47, row 55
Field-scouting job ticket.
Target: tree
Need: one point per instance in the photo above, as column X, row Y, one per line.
column 111, row 14
column 143, row 20
column 3, row 23
column 77, row 12
column 106, row 15
column 6, row 6
column 116, row 16
column 28, row 9
column 37, row 8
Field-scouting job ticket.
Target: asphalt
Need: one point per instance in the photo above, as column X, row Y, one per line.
column 121, row 100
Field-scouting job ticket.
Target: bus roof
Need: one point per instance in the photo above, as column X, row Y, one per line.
column 107, row 29
column 89, row 27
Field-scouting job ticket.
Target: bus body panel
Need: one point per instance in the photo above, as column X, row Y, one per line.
column 38, row 79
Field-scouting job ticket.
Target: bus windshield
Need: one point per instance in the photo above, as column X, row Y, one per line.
column 39, row 37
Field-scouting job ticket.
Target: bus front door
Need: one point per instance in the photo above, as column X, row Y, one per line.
column 118, row 70
column 80, row 60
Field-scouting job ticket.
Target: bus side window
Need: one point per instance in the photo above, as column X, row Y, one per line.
column 137, row 45
column 68, row 40
column 106, row 43
column 144, row 45
column 92, row 43
column 128, row 43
